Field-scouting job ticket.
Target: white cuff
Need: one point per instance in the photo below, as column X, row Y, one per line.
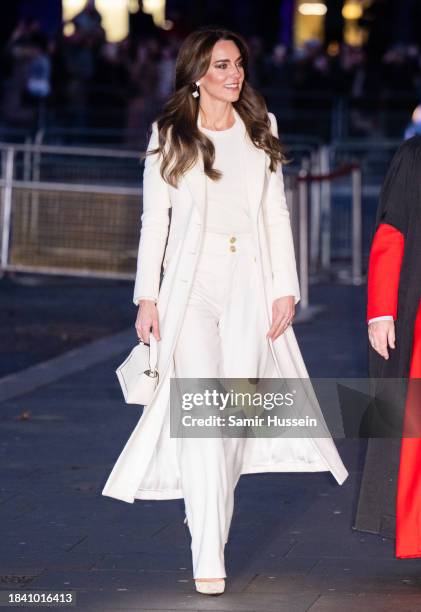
column 382, row 318
column 281, row 288
column 136, row 300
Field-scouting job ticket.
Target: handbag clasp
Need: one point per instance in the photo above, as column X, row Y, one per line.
column 151, row 373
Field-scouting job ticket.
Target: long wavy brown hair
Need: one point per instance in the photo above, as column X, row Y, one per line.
column 179, row 139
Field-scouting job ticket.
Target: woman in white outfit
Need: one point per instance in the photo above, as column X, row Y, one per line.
column 216, row 130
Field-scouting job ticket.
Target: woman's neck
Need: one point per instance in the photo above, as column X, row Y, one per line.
column 220, row 118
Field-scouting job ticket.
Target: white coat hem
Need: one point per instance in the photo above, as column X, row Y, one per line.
column 251, row 469
column 312, row 467
column 167, row 494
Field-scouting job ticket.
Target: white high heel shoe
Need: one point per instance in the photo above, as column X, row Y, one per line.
column 213, row 587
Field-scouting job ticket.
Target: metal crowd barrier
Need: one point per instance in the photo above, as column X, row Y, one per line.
column 308, row 195
column 338, row 242
column 69, row 211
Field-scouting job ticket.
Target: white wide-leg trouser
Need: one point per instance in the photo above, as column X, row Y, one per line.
column 223, row 335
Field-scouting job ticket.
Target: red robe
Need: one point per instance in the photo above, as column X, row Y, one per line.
column 383, row 283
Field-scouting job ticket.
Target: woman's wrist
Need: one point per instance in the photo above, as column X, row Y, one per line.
column 146, row 299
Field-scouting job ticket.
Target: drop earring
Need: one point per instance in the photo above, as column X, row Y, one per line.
column 195, row 93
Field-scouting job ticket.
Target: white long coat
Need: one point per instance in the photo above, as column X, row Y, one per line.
column 147, row 467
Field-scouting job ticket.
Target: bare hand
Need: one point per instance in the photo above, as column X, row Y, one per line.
column 283, row 310
column 381, row 334
column 147, row 317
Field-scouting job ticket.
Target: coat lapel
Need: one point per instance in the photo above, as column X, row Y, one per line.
column 254, row 162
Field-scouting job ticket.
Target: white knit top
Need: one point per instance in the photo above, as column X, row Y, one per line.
column 227, row 206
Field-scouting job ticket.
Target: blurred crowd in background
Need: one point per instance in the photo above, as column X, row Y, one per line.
column 82, row 81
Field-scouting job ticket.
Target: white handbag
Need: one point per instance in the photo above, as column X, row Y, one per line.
column 138, row 375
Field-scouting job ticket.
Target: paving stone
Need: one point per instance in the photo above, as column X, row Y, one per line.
column 134, row 580
column 192, row 601
column 350, row 545
column 152, row 559
column 375, row 603
column 335, row 575
column 391, row 575
column 35, row 562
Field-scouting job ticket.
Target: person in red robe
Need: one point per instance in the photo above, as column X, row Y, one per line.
column 394, row 332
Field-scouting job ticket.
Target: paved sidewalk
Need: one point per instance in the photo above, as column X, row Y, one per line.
column 44, row 316
column 291, row 545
